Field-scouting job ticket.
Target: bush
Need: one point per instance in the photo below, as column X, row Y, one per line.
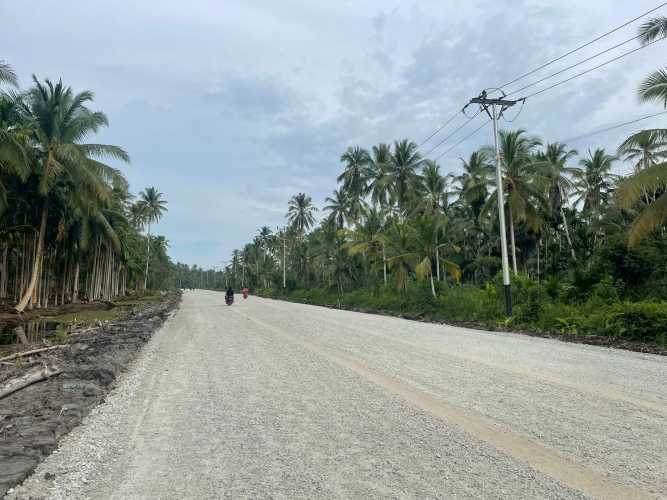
column 604, row 292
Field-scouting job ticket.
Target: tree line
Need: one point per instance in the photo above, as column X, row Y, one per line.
column 395, row 218
column 70, row 229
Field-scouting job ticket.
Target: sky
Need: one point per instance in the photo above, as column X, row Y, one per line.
column 230, row 107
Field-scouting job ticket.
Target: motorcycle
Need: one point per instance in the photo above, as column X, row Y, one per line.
column 229, row 300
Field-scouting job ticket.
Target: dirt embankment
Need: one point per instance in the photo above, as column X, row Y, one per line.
column 34, row 418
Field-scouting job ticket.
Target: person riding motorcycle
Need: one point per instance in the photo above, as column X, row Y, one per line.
column 229, row 294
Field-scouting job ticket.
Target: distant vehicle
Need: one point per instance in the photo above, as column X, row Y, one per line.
column 245, row 292
column 229, row 300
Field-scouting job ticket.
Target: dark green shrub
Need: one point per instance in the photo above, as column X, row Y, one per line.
column 604, row 292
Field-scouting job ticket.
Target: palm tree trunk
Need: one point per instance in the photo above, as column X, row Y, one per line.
column 437, row 260
column 75, row 286
column 33, row 252
column 148, row 253
column 567, row 230
column 567, row 234
column 20, row 307
column 432, row 285
column 4, row 268
column 17, row 282
column 539, row 244
column 384, row 265
column 509, row 215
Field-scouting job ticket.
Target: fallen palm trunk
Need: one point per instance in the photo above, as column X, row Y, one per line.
column 29, row 378
column 33, row 351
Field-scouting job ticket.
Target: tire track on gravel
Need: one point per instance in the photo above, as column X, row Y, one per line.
column 537, row 456
column 602, row 391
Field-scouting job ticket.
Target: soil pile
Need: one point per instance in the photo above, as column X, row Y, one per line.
column 34, row 418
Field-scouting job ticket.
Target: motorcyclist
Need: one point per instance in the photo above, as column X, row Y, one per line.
column 229, row 294
column 246, row 291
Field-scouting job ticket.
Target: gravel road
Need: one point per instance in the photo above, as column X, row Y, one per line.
column 274, row 399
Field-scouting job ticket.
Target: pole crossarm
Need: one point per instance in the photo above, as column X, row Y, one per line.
column 501, row 102
column 485, row 102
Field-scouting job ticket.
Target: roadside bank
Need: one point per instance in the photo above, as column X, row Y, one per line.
column 71, row 375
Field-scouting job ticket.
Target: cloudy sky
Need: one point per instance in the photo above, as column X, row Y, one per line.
column 230, row 107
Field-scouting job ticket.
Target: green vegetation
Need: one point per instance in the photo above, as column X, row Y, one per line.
column 602, row 315
column 69, row 229
column 587, row 247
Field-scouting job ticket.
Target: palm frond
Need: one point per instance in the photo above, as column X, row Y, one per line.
column 631, row 189
column 7, row 74
column 654, row 87
column 105, row 151
column 652, row 30
column 651, row 217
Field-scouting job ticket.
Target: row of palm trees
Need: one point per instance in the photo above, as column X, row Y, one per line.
column 66, row 216
column 411, row 220
column 394, row 215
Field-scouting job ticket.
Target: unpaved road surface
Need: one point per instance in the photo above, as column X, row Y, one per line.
column 269, row 399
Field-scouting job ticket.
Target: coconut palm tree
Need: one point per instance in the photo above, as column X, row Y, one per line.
column 138, row 215
column 154, row 207
column 58, row 121
column 264, row 234
column 367, row 238
column 300, row 213
column 398, row 240
column 552, row 164
column 434, row 187
column 14, row 160
column 593, row 183
column 653, row 214
column 355, row 179
column 402, row 176
column 474, row 181
column 521, row 184
column 337, row 208
column 644, row 148
column 354, row 175
column 377, row 175
column 263, row 244
column 425, row 231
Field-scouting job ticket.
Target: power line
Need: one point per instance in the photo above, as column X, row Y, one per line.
column 573, row 65
column 447, row 137
column 593, row 68
column 612, row 127
column 451, row 119
column 462, row 140
column 583, row 46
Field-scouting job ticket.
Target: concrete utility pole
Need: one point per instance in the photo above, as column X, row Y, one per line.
column 495, row 108
column 284, row 248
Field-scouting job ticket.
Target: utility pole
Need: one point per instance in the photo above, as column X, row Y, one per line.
column 283, row 238
column 495, row 108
